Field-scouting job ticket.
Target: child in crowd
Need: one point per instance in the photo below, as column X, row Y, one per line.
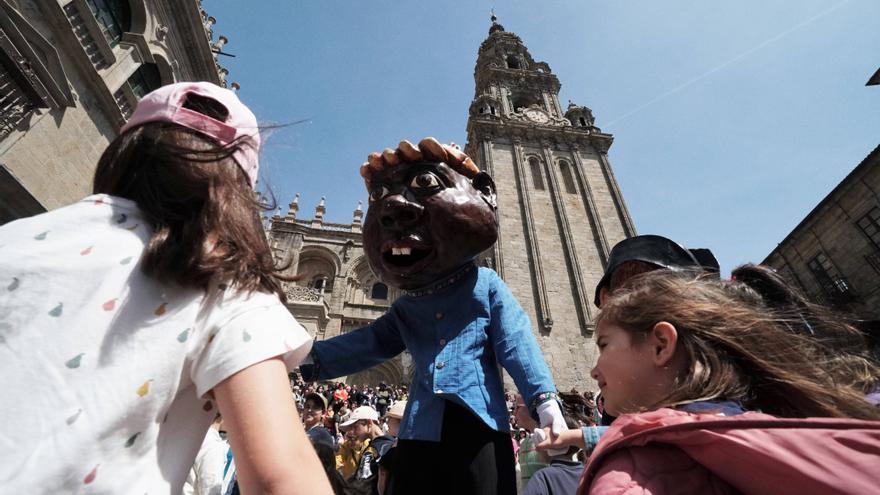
column 129, row 318
column 561, row 471
column 684, row 359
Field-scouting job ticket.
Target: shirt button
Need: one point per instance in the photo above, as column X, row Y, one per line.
column 442, row 341
column 439, row 316
column 440, row 365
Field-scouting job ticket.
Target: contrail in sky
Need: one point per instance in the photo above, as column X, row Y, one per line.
column 725, row 64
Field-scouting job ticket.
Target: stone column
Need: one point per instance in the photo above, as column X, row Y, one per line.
column 545, row 319
column 489, row 168
column 568, row 247
column 590, row 203
column 628, row 227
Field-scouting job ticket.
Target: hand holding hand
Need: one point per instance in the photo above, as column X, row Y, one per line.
column 550, row 414
column 560, row 443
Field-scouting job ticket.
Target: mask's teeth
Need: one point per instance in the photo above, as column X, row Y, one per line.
column 395, row 251
column 405, row 250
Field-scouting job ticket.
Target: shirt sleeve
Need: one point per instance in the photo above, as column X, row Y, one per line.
column 356, row 350
column 592, row 435
column 261, row 330
column 515, row 345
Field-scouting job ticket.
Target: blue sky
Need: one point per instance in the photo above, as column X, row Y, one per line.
column 732, row 120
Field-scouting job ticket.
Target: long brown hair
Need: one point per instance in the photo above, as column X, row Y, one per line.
column 848, row 344
column 738, row 348
column 205, row 215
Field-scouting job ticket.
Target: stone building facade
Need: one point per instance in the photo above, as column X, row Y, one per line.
column 833, row 254
column 560, row 212
column 71, row 72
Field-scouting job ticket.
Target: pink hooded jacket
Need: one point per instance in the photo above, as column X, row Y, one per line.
column 668, row 451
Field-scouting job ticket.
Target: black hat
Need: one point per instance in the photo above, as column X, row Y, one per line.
column 652, row 249
column 706, row 259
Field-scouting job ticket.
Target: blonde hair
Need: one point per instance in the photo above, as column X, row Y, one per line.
column 739, row 348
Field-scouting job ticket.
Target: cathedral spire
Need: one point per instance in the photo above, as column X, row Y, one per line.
column 495, row 26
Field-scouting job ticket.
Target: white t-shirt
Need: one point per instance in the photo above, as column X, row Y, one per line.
column 206, row 475
column 104, row 372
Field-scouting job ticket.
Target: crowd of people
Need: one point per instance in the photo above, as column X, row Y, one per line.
column 353, row 429
column 139, row 318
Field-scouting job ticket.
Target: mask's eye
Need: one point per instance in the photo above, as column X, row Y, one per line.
column 379, row 192
column 425, row 180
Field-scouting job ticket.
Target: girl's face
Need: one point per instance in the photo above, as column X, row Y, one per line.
column 627, row 370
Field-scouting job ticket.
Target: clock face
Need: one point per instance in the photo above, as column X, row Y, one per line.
column 537, row 116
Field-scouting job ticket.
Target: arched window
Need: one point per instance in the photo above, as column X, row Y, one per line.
column 567, row 177
column 145, row 79
column 513, row 62
column 583, row 121
column 318, row 282
column 114, row 17
column 537, row 178
column 379, row 291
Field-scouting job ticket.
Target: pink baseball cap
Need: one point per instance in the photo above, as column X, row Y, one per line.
column 166, row 105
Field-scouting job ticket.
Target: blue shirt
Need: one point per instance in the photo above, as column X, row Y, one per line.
column 456, row 335
column 561, row 477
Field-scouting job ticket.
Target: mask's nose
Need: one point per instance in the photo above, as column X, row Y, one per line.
column 398, row 213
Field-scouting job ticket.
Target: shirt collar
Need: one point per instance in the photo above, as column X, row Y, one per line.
column 442, row 283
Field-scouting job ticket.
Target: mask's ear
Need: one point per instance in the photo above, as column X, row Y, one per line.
column 483, row 182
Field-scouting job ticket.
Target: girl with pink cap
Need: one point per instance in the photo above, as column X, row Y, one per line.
column 129, row 318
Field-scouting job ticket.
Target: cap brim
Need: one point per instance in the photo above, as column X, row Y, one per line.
column 652, row 249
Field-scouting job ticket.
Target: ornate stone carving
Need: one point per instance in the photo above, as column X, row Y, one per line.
column 161, row 32
column 300, row 293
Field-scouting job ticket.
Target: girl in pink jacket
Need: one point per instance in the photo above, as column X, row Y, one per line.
column 681, row 362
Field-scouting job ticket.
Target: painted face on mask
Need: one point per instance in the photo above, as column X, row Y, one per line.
column 425, row 221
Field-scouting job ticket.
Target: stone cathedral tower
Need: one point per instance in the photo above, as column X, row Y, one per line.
column 560, row 208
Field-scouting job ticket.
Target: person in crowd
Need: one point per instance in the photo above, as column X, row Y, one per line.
column 206, row 475
column 644, row 253
column 130, row 317
column 395, row 416
column 340, row 394
column 561, row 474
column 298, row 397
column 592, row 408
column 848, row 343
column 328, row 460
column 348, row 454
column 363, row 424
column 383, row 398
column 530, row 461
column 641, row 254
column 314, row 417
column 432, row 212
column 684, row 361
